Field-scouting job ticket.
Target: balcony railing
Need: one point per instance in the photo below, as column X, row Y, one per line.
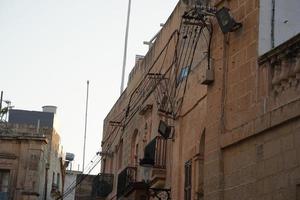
column 102, row 185
column 125, row 179
column 280, row 71
column 156, row 150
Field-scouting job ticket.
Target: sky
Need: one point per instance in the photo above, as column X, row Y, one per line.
column 50, row 48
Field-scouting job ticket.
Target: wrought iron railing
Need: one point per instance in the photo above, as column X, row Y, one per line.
column 102, row 185
column 156, row 150
column 125, row 179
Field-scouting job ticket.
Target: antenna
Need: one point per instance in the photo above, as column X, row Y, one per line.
column 125, row 47
column 85, row 124
column 1, row 98
column 4, row 111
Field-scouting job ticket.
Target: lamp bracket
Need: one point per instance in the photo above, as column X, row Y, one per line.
column 160, row 194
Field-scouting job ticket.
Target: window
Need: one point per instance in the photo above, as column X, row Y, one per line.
column 58, row 179
column 188, row 180
column 104, row 165
column 53, row 179
column 278, row 23
column 4, row 184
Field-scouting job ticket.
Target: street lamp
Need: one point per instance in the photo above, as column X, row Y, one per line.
column 226, row 21
column 164, row 129
column 146, row 164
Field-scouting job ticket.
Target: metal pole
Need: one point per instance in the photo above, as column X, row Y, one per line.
column 1, row 98
column 125, row 47
column 85, row 124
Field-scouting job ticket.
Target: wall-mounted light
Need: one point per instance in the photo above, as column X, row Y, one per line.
column 164, row 129
column 226, row 21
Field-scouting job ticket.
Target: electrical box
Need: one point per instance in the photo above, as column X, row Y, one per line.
column 207, row 77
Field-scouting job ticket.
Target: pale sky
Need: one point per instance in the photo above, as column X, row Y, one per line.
column 50, row 48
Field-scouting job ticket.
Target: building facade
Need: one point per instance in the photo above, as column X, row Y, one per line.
column 213, row 109
column 78, row 186
column 31, row 162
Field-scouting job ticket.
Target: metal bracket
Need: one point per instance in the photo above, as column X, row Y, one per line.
column 160, row 194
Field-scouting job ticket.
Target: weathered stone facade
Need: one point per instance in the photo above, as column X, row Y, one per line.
column 236, row 137
column 32, row 157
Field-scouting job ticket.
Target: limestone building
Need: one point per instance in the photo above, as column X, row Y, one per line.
column 31, row 159
column 78, row 186
column 213, row 109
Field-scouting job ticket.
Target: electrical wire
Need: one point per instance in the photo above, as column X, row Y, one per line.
column 132, row 108
column 71, row 185
column 185, row 85
column 67, row 192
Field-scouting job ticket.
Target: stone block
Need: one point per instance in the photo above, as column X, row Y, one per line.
column 251, row 20
column 269, row 185
column 273, row 165
column 211, row 184
column 239, row 15
column 261, row 123
column 272, row 148
column 248, row 174
column 212, row 144
column 259, row 189
column 233, row 193
column 245, row 70
column 232, row 180
column 212, row 155
column 287, row 142
column 290, row 159
column 280, row 194
column 282, row 181
column 252, row 51
column 244, row 102
column 233, row 4
column 260, row 170
column 249, row 6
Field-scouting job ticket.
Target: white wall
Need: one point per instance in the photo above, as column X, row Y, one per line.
column 69, row 179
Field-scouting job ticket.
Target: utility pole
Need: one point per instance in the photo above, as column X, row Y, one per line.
column 85, row 124
column 1, row 99
column 125, row 47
